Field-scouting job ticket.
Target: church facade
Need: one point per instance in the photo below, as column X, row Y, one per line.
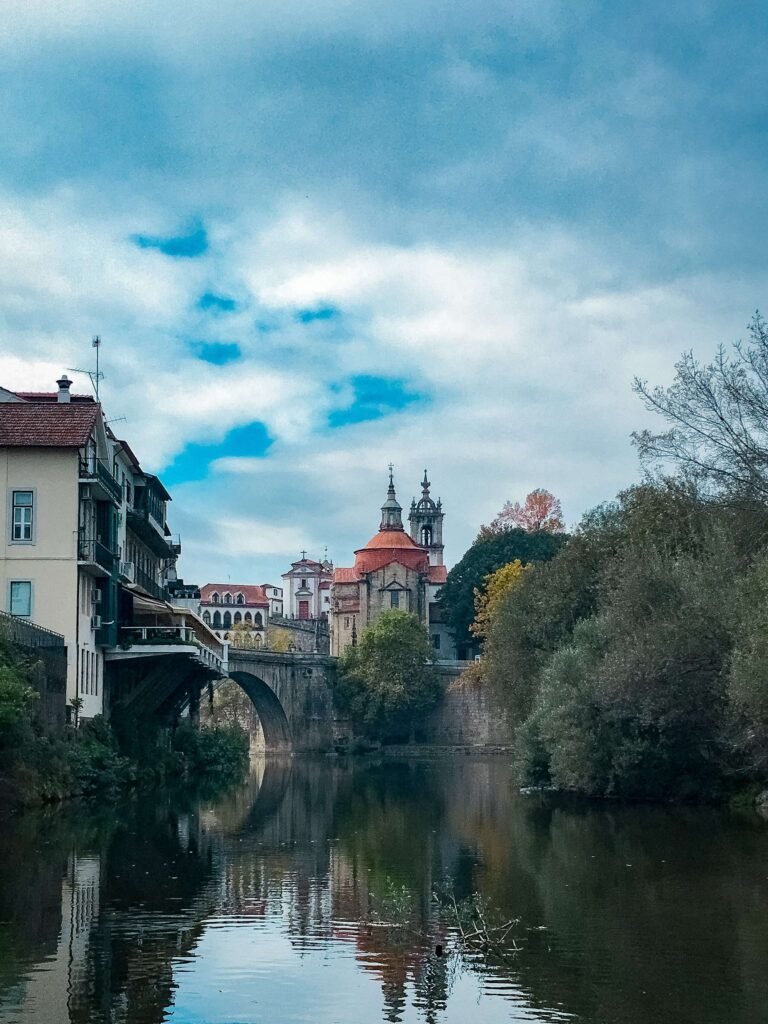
column 394, row 569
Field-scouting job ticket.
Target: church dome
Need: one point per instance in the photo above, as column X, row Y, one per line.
column 391, row 546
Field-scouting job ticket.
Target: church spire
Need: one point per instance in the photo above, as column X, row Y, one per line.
column 391, row 512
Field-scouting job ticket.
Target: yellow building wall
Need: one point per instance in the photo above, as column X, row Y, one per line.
column 50, row 562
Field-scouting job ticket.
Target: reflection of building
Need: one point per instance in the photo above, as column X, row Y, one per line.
column 226, row 605
column 394, row 570
column 48, row 993
column 307, row 589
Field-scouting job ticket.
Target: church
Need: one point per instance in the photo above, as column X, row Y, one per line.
column 395, row 569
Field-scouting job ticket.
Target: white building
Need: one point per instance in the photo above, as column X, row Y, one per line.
column 307, row 589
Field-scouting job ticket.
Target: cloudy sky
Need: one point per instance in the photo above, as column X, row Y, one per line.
column 317, row 237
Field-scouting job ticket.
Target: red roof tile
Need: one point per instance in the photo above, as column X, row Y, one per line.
column 345, row 575
column 40, row 425
column 51, row 396
column 438, row 574
column 253, row 595
column 391, row 546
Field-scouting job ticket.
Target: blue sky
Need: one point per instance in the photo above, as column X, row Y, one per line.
column 317, row 238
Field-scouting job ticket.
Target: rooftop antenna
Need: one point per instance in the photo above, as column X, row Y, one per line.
column 95, row 375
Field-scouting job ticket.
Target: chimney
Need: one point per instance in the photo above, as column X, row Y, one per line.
column 64, row 385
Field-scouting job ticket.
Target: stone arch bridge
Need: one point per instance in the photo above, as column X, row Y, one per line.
column 292, row 692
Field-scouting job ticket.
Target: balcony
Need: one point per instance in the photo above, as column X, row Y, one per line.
column 95, row 558
column 147, row 520
column 127, row 572
column 149, row 584
column 159, row 641
column 95, row 474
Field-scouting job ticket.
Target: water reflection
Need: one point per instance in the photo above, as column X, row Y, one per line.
column 308, row 894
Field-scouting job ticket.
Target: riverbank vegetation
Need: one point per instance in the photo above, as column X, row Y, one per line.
column 635, row 661
column 95, row 760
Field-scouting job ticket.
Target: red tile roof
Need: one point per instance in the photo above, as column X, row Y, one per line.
column 345, row 575
column 40, row 425
column 438, row 574
column 391, row 546
column 253, row 595
column 51, row 396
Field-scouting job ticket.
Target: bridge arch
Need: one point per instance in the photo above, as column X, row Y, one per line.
column 274, row 721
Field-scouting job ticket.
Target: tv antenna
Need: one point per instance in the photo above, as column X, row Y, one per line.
column 95, row 375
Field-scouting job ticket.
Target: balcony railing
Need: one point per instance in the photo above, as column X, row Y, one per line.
column 171, row 636
column 96, row 473
column 93, row 552
column 152, row 587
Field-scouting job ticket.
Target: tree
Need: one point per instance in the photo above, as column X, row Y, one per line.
column 485, row 556
column 387, row 683
column 487, row 600
column 242, row 636
column 718, row 416
column 540, row 511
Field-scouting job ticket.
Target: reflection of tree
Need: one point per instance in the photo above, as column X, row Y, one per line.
column 648, row 913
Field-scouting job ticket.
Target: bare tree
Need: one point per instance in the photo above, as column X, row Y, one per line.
column 718, row 416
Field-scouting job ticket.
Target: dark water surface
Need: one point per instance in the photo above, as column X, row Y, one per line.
column 269, row 905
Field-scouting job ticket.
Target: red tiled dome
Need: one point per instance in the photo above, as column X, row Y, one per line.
column 391, row 546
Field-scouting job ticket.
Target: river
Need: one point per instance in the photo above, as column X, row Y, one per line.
column 307, row 895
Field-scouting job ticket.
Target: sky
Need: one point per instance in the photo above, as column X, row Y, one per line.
column 316, row 238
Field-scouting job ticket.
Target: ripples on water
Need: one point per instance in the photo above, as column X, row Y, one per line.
column 307, row 896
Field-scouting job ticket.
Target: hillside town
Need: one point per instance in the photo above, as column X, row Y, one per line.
column 89, row 556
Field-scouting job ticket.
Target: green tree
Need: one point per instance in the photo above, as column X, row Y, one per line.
column 489, row 553
column 387, row 683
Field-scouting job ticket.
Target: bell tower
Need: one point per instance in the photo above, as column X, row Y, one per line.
column 426, row 523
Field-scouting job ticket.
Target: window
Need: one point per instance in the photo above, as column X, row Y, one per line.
column 238, row 617
column 227, row 599
column 240, row 599
column 303, row 584
column 436, row 641
column 394, row 599
column 207, row 617
column 215, row 597
column 346, row 622
column 21, row 521
column 217, row 619
column 227, row 620
column 248, row 617
column 21, row 597
column 426, row 536
column 257, row 619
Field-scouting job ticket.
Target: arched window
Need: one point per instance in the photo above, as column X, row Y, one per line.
column 240, row 599
column 426, row 536
column 226, row 636
column 215, row 597
column 227, row 620
column 227, row 599
column 248, row 617
column 257, row 640
column 238, row 617
column 207, row 617
column 257, row 619
column 217, row 619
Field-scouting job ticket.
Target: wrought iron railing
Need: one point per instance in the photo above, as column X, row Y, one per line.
column 92, row 550
column 95, row 469
column 29, row 634
column 148, row 583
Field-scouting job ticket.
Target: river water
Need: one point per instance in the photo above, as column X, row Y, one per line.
column 307, row 895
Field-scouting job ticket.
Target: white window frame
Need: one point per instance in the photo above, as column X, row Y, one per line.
column 12, row 508
column 18, row 615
